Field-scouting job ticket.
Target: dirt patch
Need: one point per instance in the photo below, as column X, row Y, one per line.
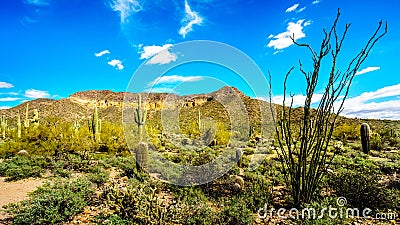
column 16, row 191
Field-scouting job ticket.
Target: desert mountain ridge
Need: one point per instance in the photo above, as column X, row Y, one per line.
column 79, row 106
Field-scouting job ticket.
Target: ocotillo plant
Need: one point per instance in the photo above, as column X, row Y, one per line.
column 3, row 126
column 365, row 136
column 19, row 126
column 140, row 117
column 26, row 122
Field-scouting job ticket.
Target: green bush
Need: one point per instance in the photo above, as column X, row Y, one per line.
column 98, row 175
column 361, row 189
column 52, row 203
column 20, row 167
column 236, row 212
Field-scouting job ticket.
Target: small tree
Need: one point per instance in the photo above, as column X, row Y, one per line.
column 303, row 150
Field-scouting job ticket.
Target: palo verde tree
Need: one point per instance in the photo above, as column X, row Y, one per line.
column 303, row 150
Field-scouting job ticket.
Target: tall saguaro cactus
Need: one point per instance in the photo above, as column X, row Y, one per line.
column 365, row 136
column 26, row 122
column 140, row 117
column 19, row 126
column 94, row 126
column 3, row 126
column 142, row 150
column 35, row 119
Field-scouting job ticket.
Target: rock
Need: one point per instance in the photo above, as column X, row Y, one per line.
column 23, row 153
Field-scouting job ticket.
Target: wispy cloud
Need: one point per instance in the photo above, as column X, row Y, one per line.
column 116, row 63
column 32, row 93
column 126, row 8
column 292, row 8
column 104, row 52
column 368, row 69
column 173, row 79
column 283, row 40
column 301, row 10
column 26, row 20
column 316, row 2
column 298, row 100
column 37, row 2
column 6, row 85
column 191, row 18
column 9, row 99
column 152, row 50
column 5, row 107
column 375, row 104
column 160, row 90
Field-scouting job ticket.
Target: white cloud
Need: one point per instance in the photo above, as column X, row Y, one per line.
column 160, row 90
column 191, row 18
column 173, row 79
column 151, row 50
column 9, row 99
column 37, row 2
column 316, row 2
column 301, row 10
column 104, row 52
column 5, row 107
column 32, row 93
column 292, row 8
column 368, row 104
column 162, row 58
column 6, row 85
column 298, row 100
column 116, row 63
column 283, row 40
column 368, row 69
column 125, row 8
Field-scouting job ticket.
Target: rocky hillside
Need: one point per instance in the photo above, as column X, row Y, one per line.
column 79, row 106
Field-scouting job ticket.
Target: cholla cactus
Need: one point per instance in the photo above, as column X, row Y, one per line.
column 140, row 117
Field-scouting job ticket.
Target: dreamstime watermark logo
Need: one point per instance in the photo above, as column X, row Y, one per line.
column 158, row 74
column 333, row 212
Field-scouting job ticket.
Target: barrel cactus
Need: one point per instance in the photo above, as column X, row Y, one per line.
column 365, row 137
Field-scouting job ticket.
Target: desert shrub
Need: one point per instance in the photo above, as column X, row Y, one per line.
column 326, row 219
column 98, row 175
column 52, row 203
column 375, row 141
column 256, row 190
column 361, row 189
column 20, row 167
column 347, row 132
column 236, row 212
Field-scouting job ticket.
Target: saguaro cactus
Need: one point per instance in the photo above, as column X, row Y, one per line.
column 142, row 150
column 26, row 122
column 94, row 126
column 3, row 126
column 140, row 117
column 19, row 126
column 365, row 136
column 142, row 156
column 35, row 119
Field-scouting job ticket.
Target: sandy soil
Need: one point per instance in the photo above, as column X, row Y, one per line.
column 16, row 191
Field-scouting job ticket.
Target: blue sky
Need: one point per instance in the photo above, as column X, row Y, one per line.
column 54, row 48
